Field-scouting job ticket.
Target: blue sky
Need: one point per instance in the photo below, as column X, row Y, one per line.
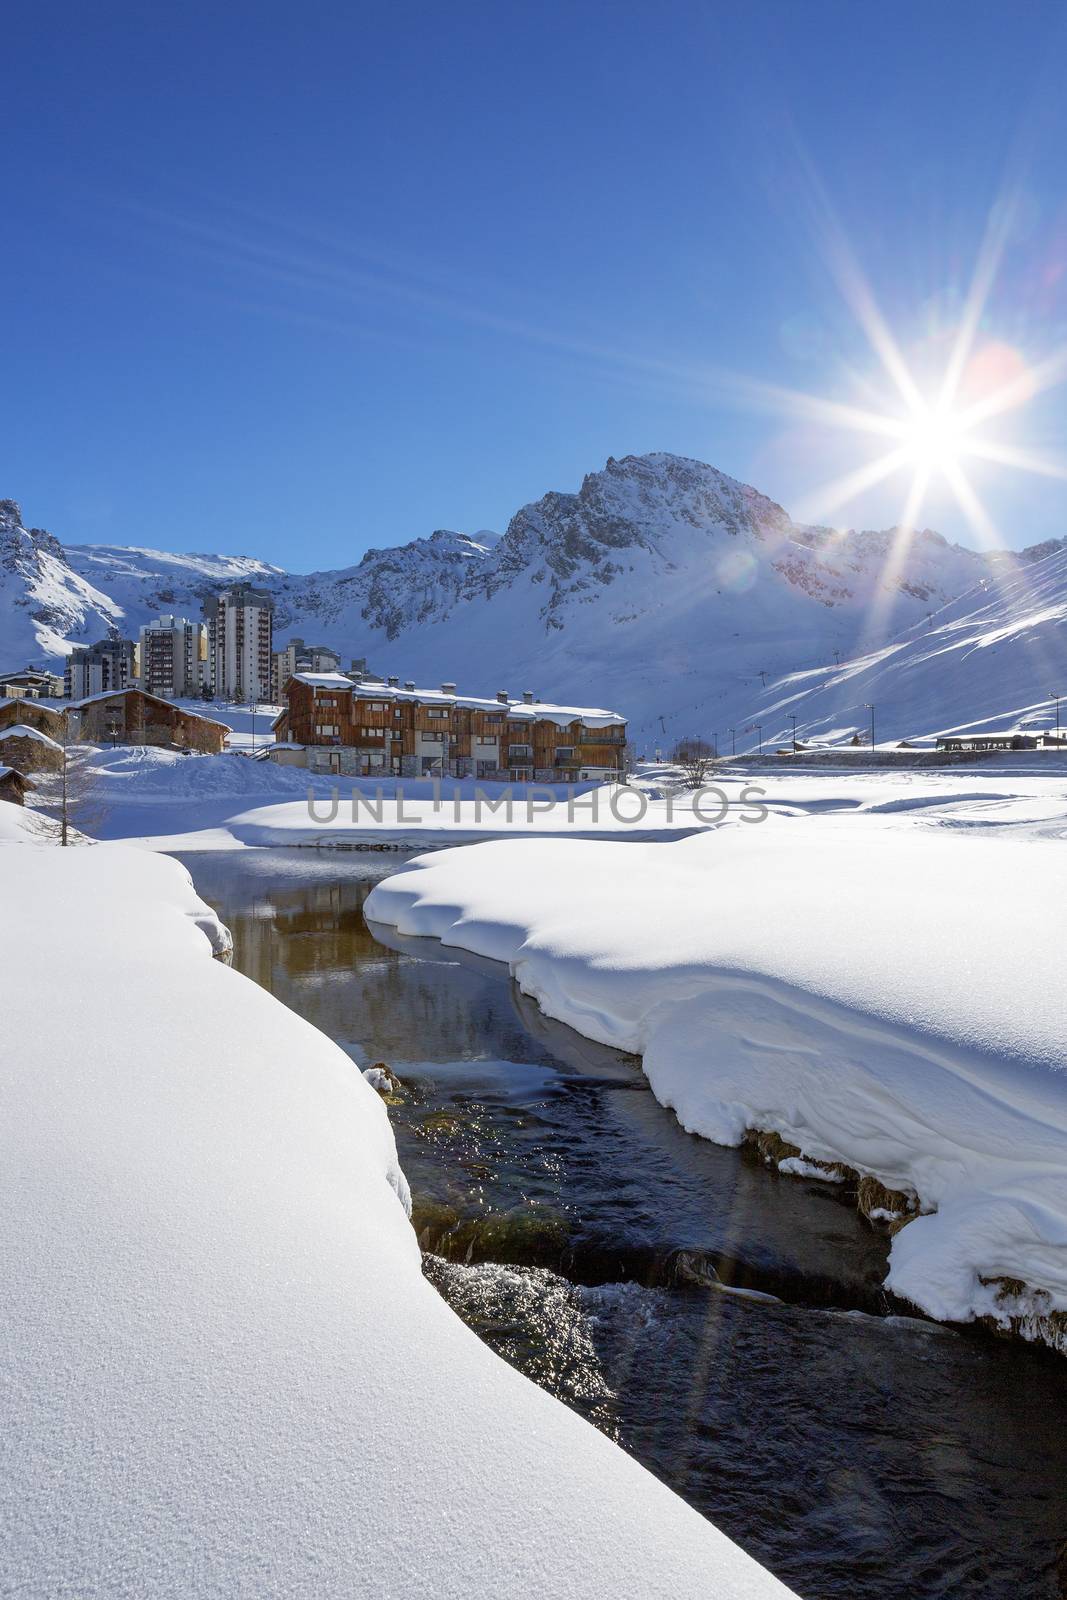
column 298, row 280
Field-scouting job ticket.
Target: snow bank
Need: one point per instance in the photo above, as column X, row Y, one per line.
column 881, row 992
column 417, row 818
column 20, row 730
column 224, row 1374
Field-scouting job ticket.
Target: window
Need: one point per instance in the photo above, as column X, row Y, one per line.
column 327, row 730
column 326, row 700
column 494, row 716
column 520, row 752
column 433, row 738
column 372, row 733
column 564, row 752
column 483, row 741
column 437, row 711
column 377, row 705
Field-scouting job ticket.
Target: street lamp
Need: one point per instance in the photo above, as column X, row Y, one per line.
column 759, row 731
column 733, row 741
column 1057, row 698
column 793, row 720
column 869, row 707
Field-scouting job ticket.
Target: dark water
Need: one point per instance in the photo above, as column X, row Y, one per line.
column 725, row 1325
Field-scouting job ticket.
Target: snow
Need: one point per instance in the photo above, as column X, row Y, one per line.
column 19, row 730
column 180, row 800
column 797, row 1167
column 419, row 818
column 224, row 1374
column 835, row 974
column 323, row 680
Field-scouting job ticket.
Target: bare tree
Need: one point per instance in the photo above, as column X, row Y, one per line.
column 695, row 756
column 76, row 804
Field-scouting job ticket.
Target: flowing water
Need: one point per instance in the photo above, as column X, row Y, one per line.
column 723, row 1324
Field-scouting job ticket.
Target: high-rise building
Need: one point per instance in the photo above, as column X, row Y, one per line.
column 239, row 628
column 173, row 657
column 282, row 666
column 94, row 668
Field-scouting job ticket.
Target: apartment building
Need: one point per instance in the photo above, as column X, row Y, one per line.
column 92, row 669
column 239, row 624
column 173, row 657
column 331, row 724
column 297, row 656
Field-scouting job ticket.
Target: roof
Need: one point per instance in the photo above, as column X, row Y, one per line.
column 13, row 772
column 515, row 710
column 20, row 730
column 323, row 680
column 157, row 699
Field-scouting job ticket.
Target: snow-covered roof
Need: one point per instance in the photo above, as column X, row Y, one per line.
column 20, row 730
column 536, row 711
column 157, row 699
column 324, row 680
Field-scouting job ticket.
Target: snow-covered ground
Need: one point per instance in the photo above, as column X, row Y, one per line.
column 874, row 972
column 223, row 1372
column 173, row 800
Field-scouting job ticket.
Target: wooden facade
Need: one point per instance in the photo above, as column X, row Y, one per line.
column 132, row 716
column 13, row 786
column 28, row 750
column 32, row 715
column 365, row 728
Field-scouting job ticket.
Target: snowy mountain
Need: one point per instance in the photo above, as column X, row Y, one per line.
column 993, row 658
column 662, row 586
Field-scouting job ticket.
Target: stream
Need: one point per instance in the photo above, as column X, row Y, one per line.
column 723, row 1324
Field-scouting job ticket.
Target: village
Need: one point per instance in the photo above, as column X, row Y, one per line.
column 305, row 710
column 145, row 692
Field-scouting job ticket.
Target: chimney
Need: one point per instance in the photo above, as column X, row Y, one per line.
column 527, row 697
column 448, row 688
column 502, row 696
column 392, row 682
column 410, row 685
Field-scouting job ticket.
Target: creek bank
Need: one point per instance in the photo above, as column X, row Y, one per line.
column 791, row 978
column 839, row 1446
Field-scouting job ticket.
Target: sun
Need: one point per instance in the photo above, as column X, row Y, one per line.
column 932, row 428
column 935, row 440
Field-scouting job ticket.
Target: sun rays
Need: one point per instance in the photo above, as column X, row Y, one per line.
column 931, row 430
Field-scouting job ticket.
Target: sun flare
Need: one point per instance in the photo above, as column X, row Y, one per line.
column 932, row 428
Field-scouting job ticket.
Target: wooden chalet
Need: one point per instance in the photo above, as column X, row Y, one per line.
column 13, row 786
column 32, row 714
column 133, row 716
column 331, row 724
column 27, row 749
